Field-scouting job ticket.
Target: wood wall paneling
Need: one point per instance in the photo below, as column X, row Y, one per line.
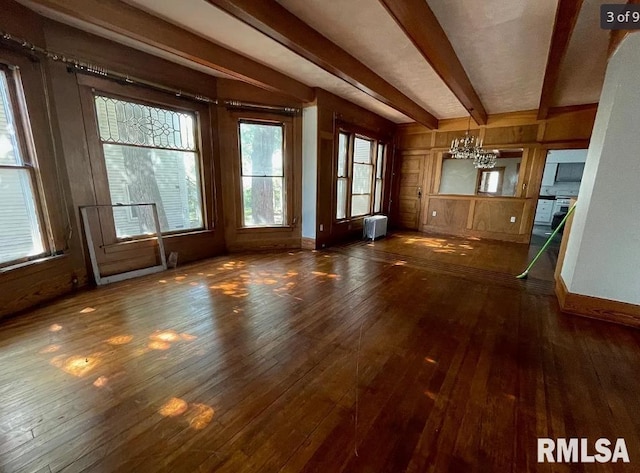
column 19, row 21
column 450, row 213
column 326, row 208
column 415, row 140
column 488, row 217
column 510, row 135
column 573, row 125
column 353, row 114
column 493, row 215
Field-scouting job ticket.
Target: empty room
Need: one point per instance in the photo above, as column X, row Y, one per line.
column 330, row 236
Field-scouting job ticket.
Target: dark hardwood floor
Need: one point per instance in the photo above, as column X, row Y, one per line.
column 247, row 363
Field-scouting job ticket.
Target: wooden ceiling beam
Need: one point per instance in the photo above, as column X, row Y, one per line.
column 566, row 18
column 421, row 26
column 118, row 17
column 275, row 21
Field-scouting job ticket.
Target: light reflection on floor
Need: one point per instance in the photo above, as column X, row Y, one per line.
column 120, row 340
column 76, row 365
column 197, row 415
column 239, row 286
column 441, row 245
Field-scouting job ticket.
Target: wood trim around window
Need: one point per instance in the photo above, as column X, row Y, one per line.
column 256, row 117
column 91, row 86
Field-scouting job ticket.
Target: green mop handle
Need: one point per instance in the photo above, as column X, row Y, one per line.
column 546, row 244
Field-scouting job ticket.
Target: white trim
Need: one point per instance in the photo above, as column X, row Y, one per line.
column 129, row 274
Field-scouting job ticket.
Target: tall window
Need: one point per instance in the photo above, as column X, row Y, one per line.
column 362, row 184
column 21, row 235
column 151, row 155
column 377, row 203
column 343, row 175
column 361, row 160
column 262, row 173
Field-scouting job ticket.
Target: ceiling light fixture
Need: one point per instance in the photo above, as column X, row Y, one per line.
column 470, row 147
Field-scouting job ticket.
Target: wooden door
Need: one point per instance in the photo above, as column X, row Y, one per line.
column 411, row 192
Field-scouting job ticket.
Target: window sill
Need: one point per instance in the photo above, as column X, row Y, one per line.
column 31, row 263
column 124, row 245
column 278, row 229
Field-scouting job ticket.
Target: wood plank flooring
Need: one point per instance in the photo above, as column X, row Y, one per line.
column 247, row 363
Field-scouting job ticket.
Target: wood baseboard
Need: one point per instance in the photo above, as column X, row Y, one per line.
column 597, row 308
column 308, row 243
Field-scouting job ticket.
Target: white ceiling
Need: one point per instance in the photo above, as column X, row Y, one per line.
column 503, row 47
column 200, row 17
column 365, row 30
column 582, row 71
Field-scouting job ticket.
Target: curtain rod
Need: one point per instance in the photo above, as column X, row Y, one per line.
column 239, row 105
column 84, row 67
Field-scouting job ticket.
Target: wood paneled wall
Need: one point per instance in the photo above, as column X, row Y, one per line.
column 62, row 149
column 333, row 109
column 417, row 168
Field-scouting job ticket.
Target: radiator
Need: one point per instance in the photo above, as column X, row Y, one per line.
column 374, row 227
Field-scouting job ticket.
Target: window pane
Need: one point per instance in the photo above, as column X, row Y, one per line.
column 343, row 141
column 377, row 203
column 136, row 124
column 261, row 149
column 170, row 178
column 380, row 162
column 362, row 151
column 20, row 235
column 341, row 210
column 360, row 205
column 362, row 174
column 9, row 151
column 263, row 201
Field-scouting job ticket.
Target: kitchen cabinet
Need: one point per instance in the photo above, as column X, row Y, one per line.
column 544, row 211
column 549, row 176
column 569, row 172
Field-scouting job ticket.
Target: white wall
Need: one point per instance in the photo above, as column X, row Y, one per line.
column 603, row 252
column 567, row 156
column 309, row 170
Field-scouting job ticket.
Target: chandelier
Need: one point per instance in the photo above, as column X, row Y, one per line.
column 470, row 147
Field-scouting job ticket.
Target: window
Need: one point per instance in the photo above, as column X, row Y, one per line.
column 262, row 173
column 490, row 182
column 343, row 175
column 21, row 233
column 362, row 177
column 360, row 159
column 151, row 155
column 377, row 204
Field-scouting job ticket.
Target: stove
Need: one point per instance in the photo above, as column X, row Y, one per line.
column 561, row 204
